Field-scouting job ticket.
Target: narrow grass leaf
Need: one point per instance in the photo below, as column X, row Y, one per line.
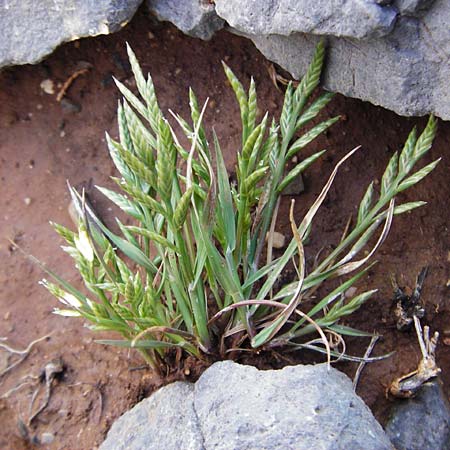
column 298, row 169
column 419, row 175
column 366, row 203
column 309, row 136
column 314, row 109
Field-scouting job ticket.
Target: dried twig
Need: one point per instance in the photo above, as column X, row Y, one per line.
column 23, row 353
column 363, row 363
column 51, row 370
column 7, row 394
column 408, row 385
column 69, row 82
column 277, row 78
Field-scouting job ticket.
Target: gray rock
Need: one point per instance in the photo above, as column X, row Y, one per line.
column 407, row 71
column 166, row 420
column 362, row 19
column 240, row 407
column 412, row 7
column 296, row 187
column 33, row 29
column 46, row 438
column 422, row 422
column 69, row 106
column 196, row 18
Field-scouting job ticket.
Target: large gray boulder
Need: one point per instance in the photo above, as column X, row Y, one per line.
column 396, row 55
column 356, row 19
column 32, row 29
column 195, row 18
column 235, row 407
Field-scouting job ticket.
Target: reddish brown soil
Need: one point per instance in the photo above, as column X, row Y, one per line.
column 42, row 146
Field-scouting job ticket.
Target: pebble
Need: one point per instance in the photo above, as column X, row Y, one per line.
column 278, row 240
column 131, row 82
column 296, row 187
column 48, row 86
column 27, row 201
column 47, row 438
column 84, row 65
column 70, row 106
column 350, row 292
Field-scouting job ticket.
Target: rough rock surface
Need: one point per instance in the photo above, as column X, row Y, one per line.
column 32, row 29
column 362, row 19
column 422, row 422
column 239, row 407
column 393, row 53
column 166, row 420
column 412, row 7
column 407, row 71
column 196, row 18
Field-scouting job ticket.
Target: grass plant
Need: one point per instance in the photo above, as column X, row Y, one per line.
column 189, row 273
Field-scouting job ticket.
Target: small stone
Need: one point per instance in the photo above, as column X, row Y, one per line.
column 150, row 35
column 350, row 292
column 131, row 82
column 62, row 133
column 197, row 18
column 178, row 70
column 278, row 240
column 296, row 187
column 7, row 315
column 39, row 106
column 63, row 412
column 27, row 201
column 48, row 86
column 69, row 106
column 83, row 65
column 47, row 438
column 294, row 159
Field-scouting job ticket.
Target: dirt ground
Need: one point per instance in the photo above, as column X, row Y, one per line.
column 43, row 143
